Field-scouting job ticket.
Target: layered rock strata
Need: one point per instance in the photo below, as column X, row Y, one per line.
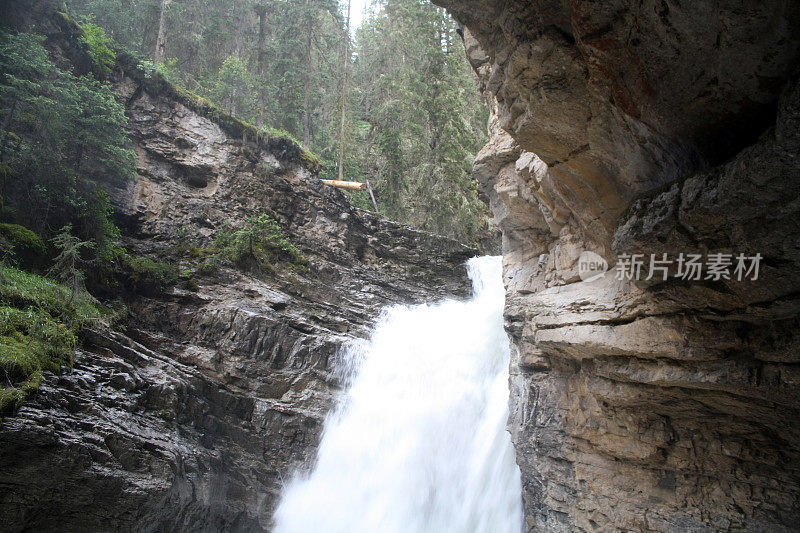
column 647, row 127
column 193, row 413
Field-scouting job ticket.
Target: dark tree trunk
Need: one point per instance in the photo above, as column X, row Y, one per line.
column 345, row 65
column 307, row 78
column 261, row 11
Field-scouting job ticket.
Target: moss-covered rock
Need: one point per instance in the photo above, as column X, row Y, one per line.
column 39, row 328
column 24, row 245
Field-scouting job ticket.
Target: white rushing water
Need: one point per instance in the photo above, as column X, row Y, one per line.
column 418, row 442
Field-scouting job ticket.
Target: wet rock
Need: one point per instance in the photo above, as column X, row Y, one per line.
column 211, row 396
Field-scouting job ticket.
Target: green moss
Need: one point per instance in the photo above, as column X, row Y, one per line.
column 67, row 24
column 25, row 245
column 32, row 324
column 20, row 356
column 10, row 400
column 38, row 331
column 282, row 139
column 22, row 236
column 311, row 160
column 22, row 290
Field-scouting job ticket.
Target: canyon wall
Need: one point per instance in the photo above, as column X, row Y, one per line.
column 193, row 412
column 647, row 127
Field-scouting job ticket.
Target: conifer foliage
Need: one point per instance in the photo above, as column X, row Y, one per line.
column 407, row 118
column 421, row 121
column 61, row 138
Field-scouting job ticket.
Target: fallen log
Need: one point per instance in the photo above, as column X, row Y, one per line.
column 348, row 185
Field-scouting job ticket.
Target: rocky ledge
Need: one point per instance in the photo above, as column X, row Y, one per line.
column 193, row 413
column 647, row 127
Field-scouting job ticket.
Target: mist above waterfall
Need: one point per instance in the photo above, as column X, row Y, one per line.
column 418, row 441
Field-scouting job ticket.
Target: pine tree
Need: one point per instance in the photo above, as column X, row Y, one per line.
column 234, row 88
column 401, row 111
column 62, row 138
column 67, row 264
column 420, row 102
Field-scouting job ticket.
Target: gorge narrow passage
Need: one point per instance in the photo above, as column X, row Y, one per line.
column 418, row 442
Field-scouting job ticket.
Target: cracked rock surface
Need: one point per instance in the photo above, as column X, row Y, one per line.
column 192, row 415
column 646, row 127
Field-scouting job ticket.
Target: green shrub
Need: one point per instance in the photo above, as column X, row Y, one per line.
column 147, row 276
column 190, row 284
column 100, row 47
column 209, row 267
column 67, row 265
column 257, row 244
column 188, row 251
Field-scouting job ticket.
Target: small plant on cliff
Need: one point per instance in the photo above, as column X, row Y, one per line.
column 258, row 244
column 67, row 265
column 143, row 275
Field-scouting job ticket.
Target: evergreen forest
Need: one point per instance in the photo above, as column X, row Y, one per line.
column 392, row 102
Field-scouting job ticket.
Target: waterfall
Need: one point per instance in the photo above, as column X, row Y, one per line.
column 418, row 441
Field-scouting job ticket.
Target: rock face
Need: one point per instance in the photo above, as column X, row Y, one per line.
column 192, row 415
column 647, row 127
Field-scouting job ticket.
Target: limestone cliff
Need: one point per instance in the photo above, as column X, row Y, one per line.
column 649, row 127
column 193, row 413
